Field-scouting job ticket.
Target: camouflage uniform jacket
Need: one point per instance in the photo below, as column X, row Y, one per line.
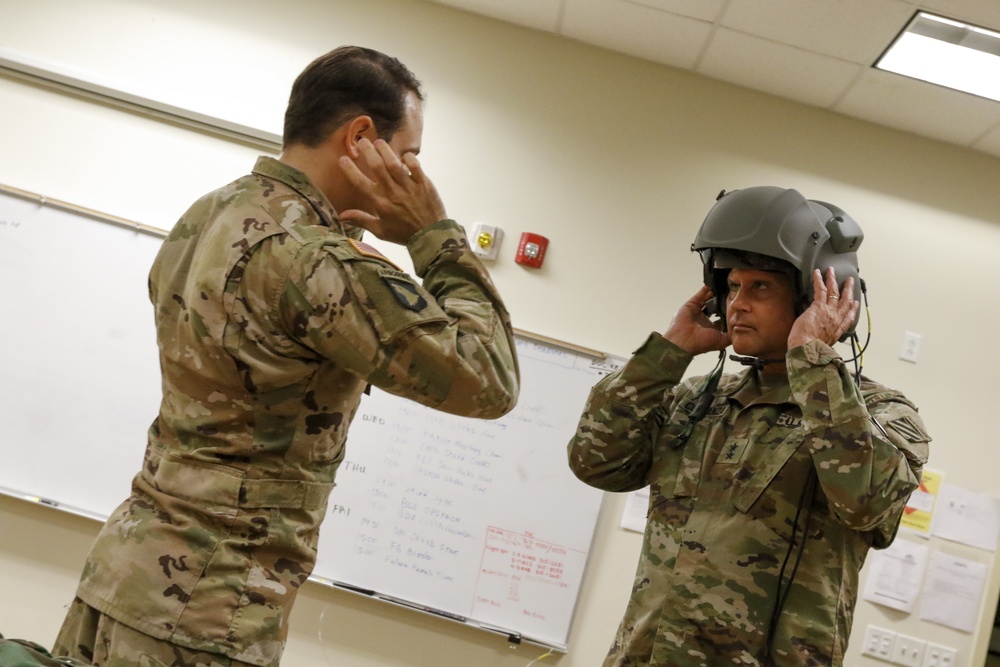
column 723, row 504
column 270, row 323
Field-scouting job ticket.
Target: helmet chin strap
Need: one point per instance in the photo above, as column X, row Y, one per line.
column 755, row 362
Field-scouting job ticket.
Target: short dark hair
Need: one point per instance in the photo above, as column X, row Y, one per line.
column 347, row 82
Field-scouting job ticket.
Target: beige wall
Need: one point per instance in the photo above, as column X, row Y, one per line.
column 614, row 159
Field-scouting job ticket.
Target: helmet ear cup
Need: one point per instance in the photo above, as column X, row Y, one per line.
column 716, row 306
column 711, row 308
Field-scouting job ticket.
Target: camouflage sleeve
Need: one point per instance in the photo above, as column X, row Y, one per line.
column 447, row 343
column 613, row 445
column 868, row 457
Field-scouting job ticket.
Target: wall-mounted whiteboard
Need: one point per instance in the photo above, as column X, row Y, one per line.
column 79, row 376
column 479, row 520
column 476, row 521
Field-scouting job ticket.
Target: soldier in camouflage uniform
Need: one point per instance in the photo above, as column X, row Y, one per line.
column 767, row 487
column 272, row 318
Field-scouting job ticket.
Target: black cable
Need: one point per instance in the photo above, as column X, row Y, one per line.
column 805, row 500
column 857, row 361
column 859, row 354
column 702, row 401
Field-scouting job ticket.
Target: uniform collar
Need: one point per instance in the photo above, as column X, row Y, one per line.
column 749, row 388
column 295, row 179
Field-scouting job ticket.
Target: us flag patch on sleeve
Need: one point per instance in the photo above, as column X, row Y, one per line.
column 370, row 251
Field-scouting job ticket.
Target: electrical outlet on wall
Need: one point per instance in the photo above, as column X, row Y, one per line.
column 939, row 656
column 879, row 643
column 911, row 347
column 908, row 651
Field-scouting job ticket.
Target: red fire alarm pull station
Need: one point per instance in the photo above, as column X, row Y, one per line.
column 531, row 250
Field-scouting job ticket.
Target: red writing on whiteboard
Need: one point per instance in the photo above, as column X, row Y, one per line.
column 522, row 575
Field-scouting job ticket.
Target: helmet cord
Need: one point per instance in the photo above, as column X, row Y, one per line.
column 702, row 400
column 781, row 596
column 859, row 354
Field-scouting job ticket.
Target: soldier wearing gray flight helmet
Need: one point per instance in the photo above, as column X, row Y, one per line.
column 767, row 486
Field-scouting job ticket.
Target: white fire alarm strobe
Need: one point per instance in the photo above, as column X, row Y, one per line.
column 485, row 240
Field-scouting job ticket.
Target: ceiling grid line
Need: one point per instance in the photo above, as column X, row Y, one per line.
column 813, row 52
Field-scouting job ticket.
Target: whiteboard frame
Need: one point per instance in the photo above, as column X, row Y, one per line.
column 514, row 637
column 64, row 80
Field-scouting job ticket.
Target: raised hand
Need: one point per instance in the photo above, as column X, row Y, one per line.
column 830, row 314
column 692, row 330
column 402, row 199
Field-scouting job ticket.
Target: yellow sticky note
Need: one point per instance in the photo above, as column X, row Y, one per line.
column 920, row 507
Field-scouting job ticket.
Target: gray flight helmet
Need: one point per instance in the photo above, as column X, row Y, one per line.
column 747, row 226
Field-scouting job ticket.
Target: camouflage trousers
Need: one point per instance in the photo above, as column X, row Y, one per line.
column 100, row 640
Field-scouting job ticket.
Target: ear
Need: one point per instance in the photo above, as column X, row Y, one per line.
column 354, row 130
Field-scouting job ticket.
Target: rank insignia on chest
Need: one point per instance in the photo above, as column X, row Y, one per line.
column 732, row 451
column 406, row 293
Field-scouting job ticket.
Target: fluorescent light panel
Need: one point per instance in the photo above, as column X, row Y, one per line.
column 948, row 53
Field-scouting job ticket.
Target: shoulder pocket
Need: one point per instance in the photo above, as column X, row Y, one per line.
column 393, row 300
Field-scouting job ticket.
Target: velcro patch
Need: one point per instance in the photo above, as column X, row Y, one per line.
column 371, row 251
column 406, row 293
column 909, row 428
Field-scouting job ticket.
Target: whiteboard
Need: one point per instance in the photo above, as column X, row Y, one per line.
column 475, row 521
column 79, row 375
column 480, row 521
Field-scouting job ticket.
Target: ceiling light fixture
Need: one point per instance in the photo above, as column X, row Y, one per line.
column 948, row 53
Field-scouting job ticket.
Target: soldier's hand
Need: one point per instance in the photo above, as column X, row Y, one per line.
column 402, row 200
column 692, row 330
column 830, row 314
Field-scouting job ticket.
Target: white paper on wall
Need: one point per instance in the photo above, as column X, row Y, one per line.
column 895, row 575
column 953, row 591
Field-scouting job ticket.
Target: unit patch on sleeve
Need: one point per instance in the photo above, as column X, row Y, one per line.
column 406, row 293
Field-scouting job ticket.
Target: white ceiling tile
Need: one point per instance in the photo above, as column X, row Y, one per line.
column 809, row 51
column 984, row 13
column 919, row 107
column 855, row 30
column 706, row 10
column 779, row 69
column 637, row 30
column 537, row 14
